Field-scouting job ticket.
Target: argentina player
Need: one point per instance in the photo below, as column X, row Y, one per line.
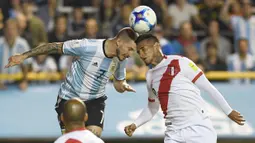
column 89, row 74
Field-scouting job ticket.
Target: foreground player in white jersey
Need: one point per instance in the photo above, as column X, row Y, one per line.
column 97, row 60
column 173, row 83
column 74, row 117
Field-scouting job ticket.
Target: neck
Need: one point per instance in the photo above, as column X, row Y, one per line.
column 10, row 41
column 73, row 127
column 110, row 48
column 157, row 60
column 212, row 59
column 215, row 37
column 242, row 56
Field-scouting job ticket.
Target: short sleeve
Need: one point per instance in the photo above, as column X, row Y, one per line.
column 120, row 73
column 190, row 70
column 74, row 47
column 193, row 10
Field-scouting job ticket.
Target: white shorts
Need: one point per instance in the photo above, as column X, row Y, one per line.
column 203, row 133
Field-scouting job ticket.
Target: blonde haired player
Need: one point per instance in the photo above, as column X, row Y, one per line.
column 74, row 117
column 173, row 83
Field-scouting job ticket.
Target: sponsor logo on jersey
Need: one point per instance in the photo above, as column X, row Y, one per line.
column 193, row 66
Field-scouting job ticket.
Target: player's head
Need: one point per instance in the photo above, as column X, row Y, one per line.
column 148, row 48
column 74, row 113
column 125, row 41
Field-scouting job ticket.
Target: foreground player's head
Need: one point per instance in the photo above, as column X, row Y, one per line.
column 125, row 41
column 75, row 113
column 148, row 48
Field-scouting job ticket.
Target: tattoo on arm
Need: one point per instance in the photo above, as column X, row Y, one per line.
column 49, row 48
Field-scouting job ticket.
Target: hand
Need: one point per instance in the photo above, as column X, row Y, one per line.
column 2, row 86
column 15, row 60
column 130, row 129
column 23, row 85
column 127, row 87
column 236, row 117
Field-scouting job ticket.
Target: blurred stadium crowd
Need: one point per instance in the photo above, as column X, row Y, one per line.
column 216, row 34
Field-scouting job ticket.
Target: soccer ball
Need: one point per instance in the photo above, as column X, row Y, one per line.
column 142, row 19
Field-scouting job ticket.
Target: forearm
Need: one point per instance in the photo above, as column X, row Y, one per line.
column 204, row 84
column 49, row 48
column 147, row 114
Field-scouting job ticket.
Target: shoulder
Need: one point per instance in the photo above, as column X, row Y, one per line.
column 21, row 40
column 93, row 137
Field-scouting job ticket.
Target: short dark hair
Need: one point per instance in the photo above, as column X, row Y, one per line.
column 127, row 32
column 242, row 39
column 146, row 37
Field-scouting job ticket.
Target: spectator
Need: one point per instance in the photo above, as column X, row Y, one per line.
column 209, row 10
column 136, row 67
column 124, row 19
column 164, row 43
column 160, row 8
column 15, row 8
column 183, row 11
column 91, row 30
column 212, row 60
column 224, row 46
column 23, row 28
column 35, row 25
column 243, row 26
column 185, row 39
column 134, row 3
column 1, row 22
column 108, row 16
column 59, row 33
column 46, row 12
column 192, row 54
column 76, row 23
column 11, row 44
column 241, row 61
column 42, row 63
column 229, row 9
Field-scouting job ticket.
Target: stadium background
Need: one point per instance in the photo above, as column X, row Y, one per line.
column 27, row 114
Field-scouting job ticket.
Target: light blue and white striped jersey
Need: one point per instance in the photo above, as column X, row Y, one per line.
column 20, row 45
column 89, row 73
column 244, row 28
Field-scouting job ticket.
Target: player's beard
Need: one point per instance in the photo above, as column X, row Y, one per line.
column 118, row 53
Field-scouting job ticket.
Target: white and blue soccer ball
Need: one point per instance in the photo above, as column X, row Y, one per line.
column 142, row 19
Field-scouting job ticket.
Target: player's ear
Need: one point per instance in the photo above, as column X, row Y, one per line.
column 62, row 117
column 118, row 42
column 86, row 117
column 157, row 46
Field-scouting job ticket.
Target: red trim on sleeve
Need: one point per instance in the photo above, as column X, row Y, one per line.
column 197, row 76
column 151, row 100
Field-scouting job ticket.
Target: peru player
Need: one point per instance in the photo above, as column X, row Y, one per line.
column 173, row 83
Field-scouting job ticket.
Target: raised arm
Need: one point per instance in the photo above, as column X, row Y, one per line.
column 49, row 48
column 146, row 115
column 192, row 72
